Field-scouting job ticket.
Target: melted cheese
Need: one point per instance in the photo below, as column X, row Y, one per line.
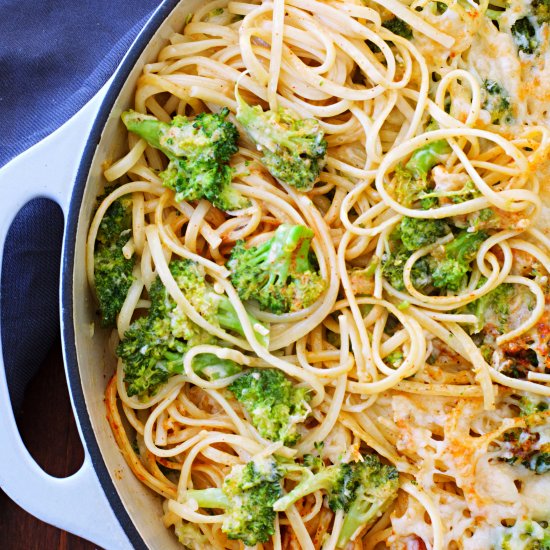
column 491, row 491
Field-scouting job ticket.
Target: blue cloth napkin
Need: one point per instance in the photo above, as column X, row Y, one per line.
column 54, row 56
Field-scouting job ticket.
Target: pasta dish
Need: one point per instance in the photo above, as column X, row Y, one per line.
column 324, row 266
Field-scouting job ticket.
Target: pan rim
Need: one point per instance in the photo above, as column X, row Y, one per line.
column 67, row 269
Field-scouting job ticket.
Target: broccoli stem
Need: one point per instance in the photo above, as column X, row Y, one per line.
column 209, row 498
column 426, row 157
column 360, row 513
column 229, row 320
column 322, row 480
column 211, row 367
column 148, row 128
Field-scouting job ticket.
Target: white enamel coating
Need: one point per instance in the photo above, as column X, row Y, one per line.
column 76, row 503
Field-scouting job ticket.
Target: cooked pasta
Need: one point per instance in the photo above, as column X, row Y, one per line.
column 324, row 263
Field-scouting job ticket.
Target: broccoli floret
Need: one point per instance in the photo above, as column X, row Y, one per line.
column 466, row 193
column 449, row 272
column 150, row 355
column 410, row 235
column 408, row 189
column 191, row 537
column 275, row 405
column 393, row 264
column 153, row 347
column 338, row 481
column 529, row 406
column 112, row 270
column 524, row 446
column 526, row 31
column 416, row 232
column 251, row 495
column 539, row 462
column 199, row 150
column 411, row 181
column 524, row 535
column 518, row 359
column 524, row 34
column 293, row 149
column 215, row 308
column 364, row 490
column 362, row 278
column 394, row 359
column 247, row 497
column 279, row 273
column 493, row 306
column 497, row 102
column 541, row 9
column 377, row 486
column 399, row 27
column 444, row 268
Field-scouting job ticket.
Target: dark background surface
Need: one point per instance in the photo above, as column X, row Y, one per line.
column 49, row 431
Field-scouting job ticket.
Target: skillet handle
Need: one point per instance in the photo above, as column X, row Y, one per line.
column 76, row 503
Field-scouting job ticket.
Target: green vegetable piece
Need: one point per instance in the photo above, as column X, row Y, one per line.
column 191, row 537
column 150, row 355
column 449, row 272
column 215, row 308
column 426, row 157
column 497, row 102
column 417, row 232
column 493, row 304
column 293, row 149
column 278, row 273
column 441, row 269
column 395, row 358
column 538, row 462
column 275, row 405
column 153, row 348
column 534, row 405
column 377, row 486
column 211, row 367
column 410, row 235
column 337, row 480
column 247, row 498
column 199, row 150
column 524, row 34
column 364, row 490
column 411, row 181
column 394, row 263
column 524, row 535
column 468, row 192
column 408, row 189
column 523, row 446
column 112, row 270
column 399, row 27
column 541, row 9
